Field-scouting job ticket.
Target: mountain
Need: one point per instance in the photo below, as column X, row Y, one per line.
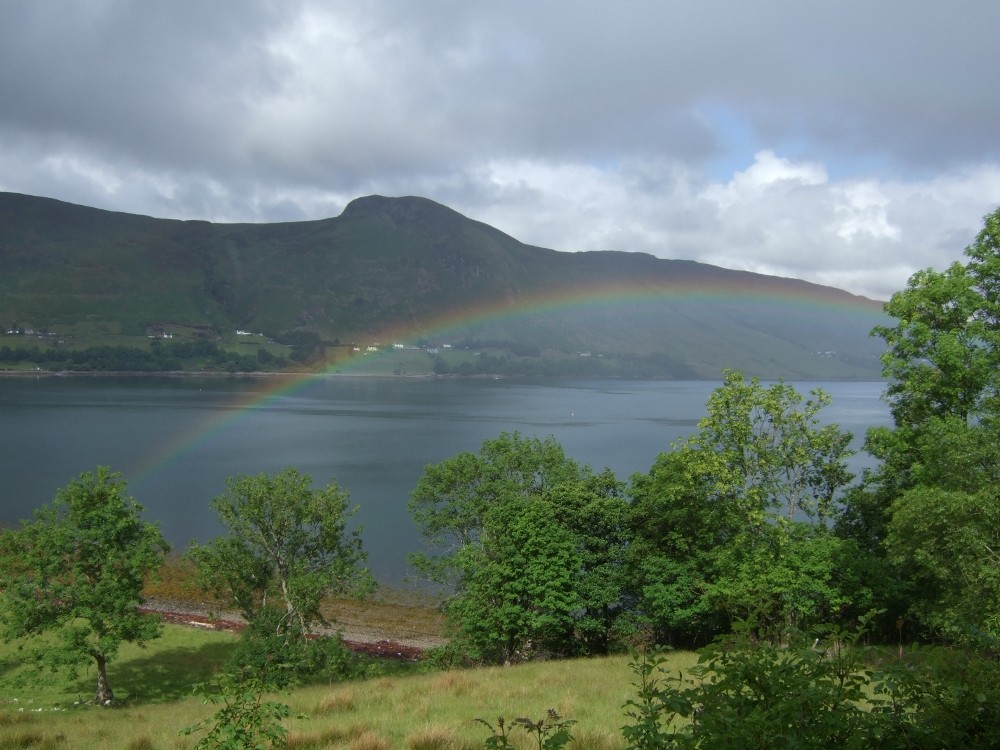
column 410, row 269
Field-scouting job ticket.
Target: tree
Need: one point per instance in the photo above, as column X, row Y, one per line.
column 288, row 548
column 531, row 545
column 519, row 591
column 678, row 527
column 943, row 355
column 78, row 568
column 775, row 457
column 725, row 523
column 942, row 361
column 948, row 542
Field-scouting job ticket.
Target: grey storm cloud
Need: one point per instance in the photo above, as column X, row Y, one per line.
column 846, row 142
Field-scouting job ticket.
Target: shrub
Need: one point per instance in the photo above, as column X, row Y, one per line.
column 749, row 693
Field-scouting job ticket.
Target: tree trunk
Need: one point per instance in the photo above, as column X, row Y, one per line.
column 104, row 695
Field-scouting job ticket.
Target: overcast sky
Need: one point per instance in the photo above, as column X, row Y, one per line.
column 847, row 142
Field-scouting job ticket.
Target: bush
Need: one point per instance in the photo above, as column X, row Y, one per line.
column 288, row 657
column 749, row 694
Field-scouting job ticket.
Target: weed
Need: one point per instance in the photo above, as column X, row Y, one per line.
column 369, row 740
column 145, row 742
column 336, row 703
column 244, row 719
column 550, row 733
column 309, row 740
column 35, row 741
column 431, row 738
column 12, row 719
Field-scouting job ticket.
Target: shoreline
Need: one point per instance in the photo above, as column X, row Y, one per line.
column 298, row 374
column 358, row 638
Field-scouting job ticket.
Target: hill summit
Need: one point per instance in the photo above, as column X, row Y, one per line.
column 411, row 270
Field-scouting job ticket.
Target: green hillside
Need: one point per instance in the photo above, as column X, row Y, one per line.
column 394, row 270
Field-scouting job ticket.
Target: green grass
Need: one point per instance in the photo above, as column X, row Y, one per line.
column 426, row 710
column 162, row 672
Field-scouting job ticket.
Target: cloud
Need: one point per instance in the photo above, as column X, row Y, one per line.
column 848, row 143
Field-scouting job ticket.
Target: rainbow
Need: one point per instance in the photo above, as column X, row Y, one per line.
column 787, row 298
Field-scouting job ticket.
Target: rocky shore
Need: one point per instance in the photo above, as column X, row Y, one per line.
column 357, row 638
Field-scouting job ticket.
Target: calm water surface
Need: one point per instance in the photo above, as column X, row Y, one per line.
column 177, row 439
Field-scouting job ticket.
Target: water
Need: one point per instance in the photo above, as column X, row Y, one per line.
column 176, row 440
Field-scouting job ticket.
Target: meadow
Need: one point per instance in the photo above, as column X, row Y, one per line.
column 403, row 706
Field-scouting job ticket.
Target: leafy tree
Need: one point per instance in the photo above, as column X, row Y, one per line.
column 943, row 365
column 942, row 361
column 78, row 568
column 530, row 543
column 943, row 355
column 948, row 542
column 288, row 548
column 775, row 457
column 721, row 523
column 595, row 512
column 518, row 592
column 678, row 528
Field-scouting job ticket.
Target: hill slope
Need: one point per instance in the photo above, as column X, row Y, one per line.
column 411, row 269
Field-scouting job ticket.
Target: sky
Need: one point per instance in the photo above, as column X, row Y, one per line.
column 845, row 142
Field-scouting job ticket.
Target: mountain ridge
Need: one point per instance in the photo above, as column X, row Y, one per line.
column 402, row 266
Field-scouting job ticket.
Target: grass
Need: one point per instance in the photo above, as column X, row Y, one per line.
column 432, row 711
column 162, row 672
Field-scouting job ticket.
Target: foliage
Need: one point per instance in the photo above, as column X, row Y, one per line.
column 948, row 543
column 749, row 693
column 533, row 549
column 943, row 365
column 943, row 353
column 773, row 454
column 288, row 549
column 792, row 576
column 722, row 526
column 245, row 720
column 78, row 569
column 158, row 357
column 549, row 733
column 518, row 591
column 266, row 644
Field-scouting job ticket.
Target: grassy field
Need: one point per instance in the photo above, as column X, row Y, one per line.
column 405, row 706
column 420, row 709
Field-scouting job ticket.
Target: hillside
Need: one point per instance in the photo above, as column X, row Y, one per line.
column 392, row 270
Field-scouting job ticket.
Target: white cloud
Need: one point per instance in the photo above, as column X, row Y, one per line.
column 843, row 143
column 777, row 216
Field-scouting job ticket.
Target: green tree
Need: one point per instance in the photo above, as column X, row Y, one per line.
column 678, row 527
column 288, row 548
column 948, row 543
column 943, row 355
column 724, row 525
column 942, row 361
column 775, row 456
column 519, row 593
column 78, row 569
column 531, row 545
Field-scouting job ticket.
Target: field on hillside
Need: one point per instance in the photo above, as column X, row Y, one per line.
column 420, row 710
